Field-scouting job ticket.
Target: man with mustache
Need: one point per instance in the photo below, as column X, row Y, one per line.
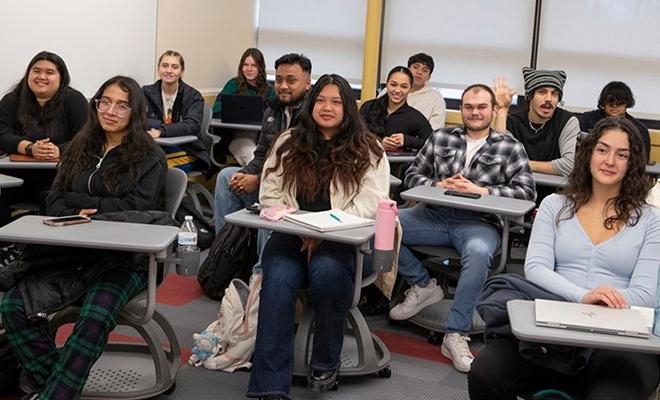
column 549, row 133
column 235, row 187
column 471, row 158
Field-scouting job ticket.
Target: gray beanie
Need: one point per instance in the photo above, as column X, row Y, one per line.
column 536, row 78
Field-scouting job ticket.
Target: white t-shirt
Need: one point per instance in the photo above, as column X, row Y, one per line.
column 168, row 106
column 471, row 149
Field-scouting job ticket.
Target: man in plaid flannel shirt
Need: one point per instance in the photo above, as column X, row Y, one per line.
column 473, row 158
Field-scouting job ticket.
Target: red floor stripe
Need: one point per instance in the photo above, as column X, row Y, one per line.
column 413, row 347
column 177, row 290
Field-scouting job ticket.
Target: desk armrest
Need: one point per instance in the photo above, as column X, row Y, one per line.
column 503, row 206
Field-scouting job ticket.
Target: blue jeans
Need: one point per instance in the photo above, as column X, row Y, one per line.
column 226, row 200
column 475, row 240
column 329, row 276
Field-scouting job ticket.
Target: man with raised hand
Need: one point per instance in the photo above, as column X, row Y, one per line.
column 548, row 132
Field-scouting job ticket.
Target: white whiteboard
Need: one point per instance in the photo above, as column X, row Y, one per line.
column 97, row 39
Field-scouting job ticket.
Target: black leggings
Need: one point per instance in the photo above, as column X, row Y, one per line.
column 500, row 373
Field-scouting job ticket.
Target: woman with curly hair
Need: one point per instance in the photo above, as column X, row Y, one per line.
column 250, row 80
column 596, row 243
column 328, row 161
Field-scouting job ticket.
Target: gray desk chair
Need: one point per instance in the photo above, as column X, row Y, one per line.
column 363, row 353
column 445, row 262
column 214, row 140
column 153, row 368
column 195, row 190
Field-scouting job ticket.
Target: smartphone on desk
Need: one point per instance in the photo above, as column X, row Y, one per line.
column 458, row 193
column 66, row 220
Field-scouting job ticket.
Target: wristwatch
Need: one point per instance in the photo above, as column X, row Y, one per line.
column 28, row 149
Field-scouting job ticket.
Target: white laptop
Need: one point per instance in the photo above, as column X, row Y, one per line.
column 592, row 318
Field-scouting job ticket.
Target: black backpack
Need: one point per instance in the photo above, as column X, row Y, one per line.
column 232, row 255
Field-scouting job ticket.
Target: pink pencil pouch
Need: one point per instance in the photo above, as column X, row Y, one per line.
column 276, row 212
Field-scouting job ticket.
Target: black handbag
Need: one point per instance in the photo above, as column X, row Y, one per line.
column 232, row 255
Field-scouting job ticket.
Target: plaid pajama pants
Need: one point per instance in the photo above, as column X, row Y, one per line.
column 62, row 374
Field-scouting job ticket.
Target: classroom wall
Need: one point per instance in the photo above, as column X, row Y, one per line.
column 210, row 34
column 97, row 39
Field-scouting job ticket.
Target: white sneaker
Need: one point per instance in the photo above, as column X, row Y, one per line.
column 416, row 299
column 455, row 347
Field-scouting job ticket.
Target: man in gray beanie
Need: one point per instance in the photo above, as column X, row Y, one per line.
column 549, row 133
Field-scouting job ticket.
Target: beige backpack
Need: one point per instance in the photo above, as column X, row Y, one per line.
column 228, row 342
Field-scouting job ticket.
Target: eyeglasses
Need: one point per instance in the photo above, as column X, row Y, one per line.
column 104, row 105
column 616, row 104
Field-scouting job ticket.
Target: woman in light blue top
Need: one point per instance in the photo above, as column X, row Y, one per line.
column 596, row 243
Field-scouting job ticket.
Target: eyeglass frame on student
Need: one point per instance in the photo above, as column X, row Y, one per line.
column 121, row 110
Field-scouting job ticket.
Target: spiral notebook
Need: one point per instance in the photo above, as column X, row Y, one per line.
column 327, row 221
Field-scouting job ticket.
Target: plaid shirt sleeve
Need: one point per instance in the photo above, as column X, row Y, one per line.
column 421, row 171
column 518, row 176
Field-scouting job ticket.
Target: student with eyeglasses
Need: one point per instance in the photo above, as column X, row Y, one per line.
column 112, row 165
column 614, row 101
column 38, row 117
column 175, row 108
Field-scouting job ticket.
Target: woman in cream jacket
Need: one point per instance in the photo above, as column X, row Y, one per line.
column 328, row 161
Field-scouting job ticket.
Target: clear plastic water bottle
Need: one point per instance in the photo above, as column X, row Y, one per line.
column 187, row 236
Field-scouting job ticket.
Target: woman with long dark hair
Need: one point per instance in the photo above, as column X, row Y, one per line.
column 596, row 243
column 250, row 80
column 328, row 161
column 39, row 117
column 111, row 165
column 401, row 127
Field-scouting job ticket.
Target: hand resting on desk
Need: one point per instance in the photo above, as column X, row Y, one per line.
column 605, row 295
column 462, row 184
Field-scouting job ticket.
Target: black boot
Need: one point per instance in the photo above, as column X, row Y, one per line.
column 323, row 381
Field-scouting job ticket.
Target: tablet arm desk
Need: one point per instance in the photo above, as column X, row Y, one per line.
column 509, row 209
column 153, row 368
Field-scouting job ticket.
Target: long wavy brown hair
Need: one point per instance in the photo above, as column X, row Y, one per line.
column 636, row 183
column 261, row 84
column 350, row 151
